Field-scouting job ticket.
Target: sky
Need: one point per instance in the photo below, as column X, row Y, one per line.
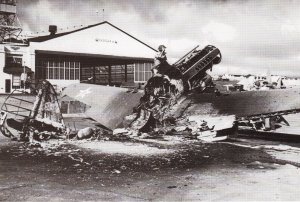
column 254, row 37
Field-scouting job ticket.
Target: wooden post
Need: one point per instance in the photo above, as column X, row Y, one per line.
column 94, row 75
column 80, row 73
column 109, row 75
column 125, row 73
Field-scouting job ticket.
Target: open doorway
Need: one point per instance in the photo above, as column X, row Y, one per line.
column 7, row 85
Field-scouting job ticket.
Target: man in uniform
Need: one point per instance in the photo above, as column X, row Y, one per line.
column 23, row 79
column 160, row 59
column 162, row 67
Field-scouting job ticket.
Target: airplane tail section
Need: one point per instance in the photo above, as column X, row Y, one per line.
column 108, row 105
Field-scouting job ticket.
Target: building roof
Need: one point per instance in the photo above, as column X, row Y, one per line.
column 49, row 37
column 93, row 55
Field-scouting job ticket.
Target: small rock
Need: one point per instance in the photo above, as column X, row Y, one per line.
column 116, row 171
column 180, row 128
column 123, row 167
column 172, row 187
column 85, row 133
column 57, row 154
column 120, row 131
column 144, row 135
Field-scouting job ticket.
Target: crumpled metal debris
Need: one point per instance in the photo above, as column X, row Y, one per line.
column 38, row 120
column 162, row 106
column 163, row 102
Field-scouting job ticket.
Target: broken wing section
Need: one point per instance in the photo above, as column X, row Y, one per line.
column 108, row 105
column 46, row 107
column 23, row 114
column 16, row 108
column 246, row 104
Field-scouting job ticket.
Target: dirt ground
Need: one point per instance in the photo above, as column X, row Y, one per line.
column 148, row 170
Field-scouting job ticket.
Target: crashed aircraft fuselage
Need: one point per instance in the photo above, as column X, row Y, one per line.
column 183, row 91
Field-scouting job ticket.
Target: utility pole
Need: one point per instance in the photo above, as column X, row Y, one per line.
column 103, row 14
column 10, row 25
column 97, row 12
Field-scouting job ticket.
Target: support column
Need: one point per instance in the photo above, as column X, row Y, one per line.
column 125, row 72
column 109, row 75
column 94, row 75
column 80, row 74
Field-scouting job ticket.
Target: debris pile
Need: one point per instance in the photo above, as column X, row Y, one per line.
column 162, row 107
column 263, row 122
column 29, row 121
column 160, row 111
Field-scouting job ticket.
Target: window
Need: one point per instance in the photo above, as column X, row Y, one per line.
column 67, row 69
column 16, row 81
column 72, row 70
column 60, row 69
column 142, row 72
column 13, row 59
column 77, row 70
column 130, row 73
column 117, row 74
column 101, row 75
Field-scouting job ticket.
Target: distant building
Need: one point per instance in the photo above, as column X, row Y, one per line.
column 101, row 54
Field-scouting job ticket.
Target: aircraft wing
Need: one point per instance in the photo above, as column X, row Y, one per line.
column 244, row 104
column 108, row 105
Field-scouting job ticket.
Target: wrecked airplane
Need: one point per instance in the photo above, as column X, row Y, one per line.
column 25, row 117
column 180, row 98
column 179, row 94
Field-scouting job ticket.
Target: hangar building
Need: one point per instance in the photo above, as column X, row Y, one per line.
column 101, row 54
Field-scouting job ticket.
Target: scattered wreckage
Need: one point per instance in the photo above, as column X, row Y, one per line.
column 26, row 117
column 252, row 83
column 179, row 99
column 31, row 118
column 179, row 92
column 161, row 106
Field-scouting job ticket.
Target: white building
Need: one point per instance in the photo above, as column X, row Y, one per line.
column 101, row 54
column 14, row 59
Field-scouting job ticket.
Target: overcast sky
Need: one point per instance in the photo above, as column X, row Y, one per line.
column 253, row 36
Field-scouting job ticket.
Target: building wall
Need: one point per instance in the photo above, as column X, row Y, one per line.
column 43, row 65
column 24, row 52
column 3, row 76
column 103, row 71
column 105, row 44
column 103, row 40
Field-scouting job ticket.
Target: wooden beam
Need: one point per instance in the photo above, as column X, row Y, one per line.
column 94, row 75
column 109, row 75
column 125, row 72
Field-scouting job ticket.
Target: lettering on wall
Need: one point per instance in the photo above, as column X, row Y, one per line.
column 106, row 40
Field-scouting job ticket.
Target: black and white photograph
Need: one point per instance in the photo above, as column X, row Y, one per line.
column 149, row 100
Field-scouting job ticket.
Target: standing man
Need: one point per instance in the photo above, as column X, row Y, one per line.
column 162, row 67
column 161, row 56
column 160, row 59
column 23, row 79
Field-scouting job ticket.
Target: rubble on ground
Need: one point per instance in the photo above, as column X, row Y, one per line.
column 160, row 111
column 163, row 105
column 85, row 133
column 154, row 118
column 29, row 120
